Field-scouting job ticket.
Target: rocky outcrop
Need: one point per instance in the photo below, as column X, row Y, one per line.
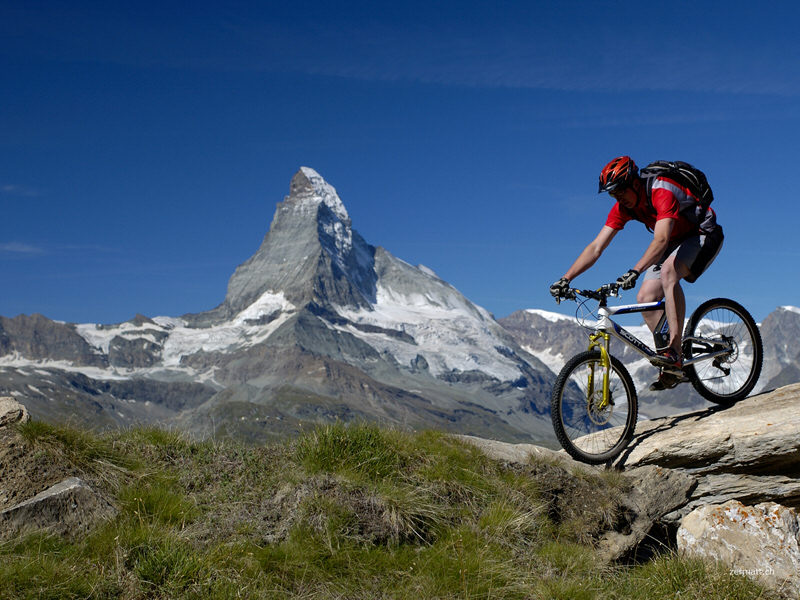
column 654, row 492
column 690, row 464
column 69, row 508
column 12, row 412
column 762, row 541
column 36, row 337
column 748, row 452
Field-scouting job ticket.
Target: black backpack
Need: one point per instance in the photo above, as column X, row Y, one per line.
column 683, row 174
column 687, row 176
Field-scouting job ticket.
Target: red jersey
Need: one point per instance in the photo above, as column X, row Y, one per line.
column 664, row 204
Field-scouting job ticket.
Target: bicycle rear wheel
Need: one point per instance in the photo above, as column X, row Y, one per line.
column 723, row 324
column 587, row 430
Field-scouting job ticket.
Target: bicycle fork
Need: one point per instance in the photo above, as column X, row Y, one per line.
column 601, row 341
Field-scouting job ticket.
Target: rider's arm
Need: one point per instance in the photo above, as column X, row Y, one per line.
column 592, row 252
column 655, row 250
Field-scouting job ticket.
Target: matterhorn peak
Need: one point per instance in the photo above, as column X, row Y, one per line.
column 309, row 186
column 310, row 254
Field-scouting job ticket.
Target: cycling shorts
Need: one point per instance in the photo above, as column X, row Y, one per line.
column 696, row 252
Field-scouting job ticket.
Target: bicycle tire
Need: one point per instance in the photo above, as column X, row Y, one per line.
column 612, row 429
column 724, row 318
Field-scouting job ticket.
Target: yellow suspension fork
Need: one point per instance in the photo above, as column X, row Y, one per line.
column 600, row 340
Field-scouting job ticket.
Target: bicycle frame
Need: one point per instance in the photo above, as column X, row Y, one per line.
column 605, row 328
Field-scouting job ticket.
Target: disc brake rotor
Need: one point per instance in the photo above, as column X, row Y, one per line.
column 597, row 415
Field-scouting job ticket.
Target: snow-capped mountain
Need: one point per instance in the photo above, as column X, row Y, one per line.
column 780, row 330
column 316, row 325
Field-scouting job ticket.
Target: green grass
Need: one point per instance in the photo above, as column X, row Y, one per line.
column 344, row 512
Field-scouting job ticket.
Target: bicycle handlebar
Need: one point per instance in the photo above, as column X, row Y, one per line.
column 600, row 294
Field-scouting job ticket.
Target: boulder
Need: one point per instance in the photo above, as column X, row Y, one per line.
column 762, row 541
column 12, row 411
column 69, row 508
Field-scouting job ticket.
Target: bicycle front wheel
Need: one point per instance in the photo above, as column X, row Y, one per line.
column 722, row 324
column 589, row 428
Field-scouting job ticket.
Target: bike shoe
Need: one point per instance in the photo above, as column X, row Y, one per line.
column 666, row 381
column 667, row 358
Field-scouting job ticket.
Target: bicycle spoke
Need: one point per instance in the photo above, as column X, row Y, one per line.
column 592, row 427
column 723, row 324
column 732, row 375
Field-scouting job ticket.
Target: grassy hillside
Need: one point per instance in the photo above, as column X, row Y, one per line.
column 342, row 512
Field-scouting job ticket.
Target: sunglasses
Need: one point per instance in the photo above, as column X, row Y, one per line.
column 618, row 192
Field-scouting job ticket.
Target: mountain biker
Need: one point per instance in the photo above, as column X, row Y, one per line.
column 682, row 248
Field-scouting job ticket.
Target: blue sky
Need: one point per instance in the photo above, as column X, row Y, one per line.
column 144, row 146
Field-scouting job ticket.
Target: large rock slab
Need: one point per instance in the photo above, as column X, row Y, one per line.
column 12, row 411
column 761, row 541
column 69, row 508
column 748, row 452
column 756, row 436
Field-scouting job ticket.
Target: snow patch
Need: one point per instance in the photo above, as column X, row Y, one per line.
column 428, row 271
column 554, row 362
column 326, row 192
column 245, row 329
column 450, row 332
column 550, row 316
column 267, row 304
column 241, row 331
column 100, row 336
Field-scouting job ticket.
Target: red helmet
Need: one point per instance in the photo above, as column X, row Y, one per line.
column 618, row 174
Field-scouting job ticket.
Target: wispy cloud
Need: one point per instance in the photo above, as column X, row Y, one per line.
column 572, row 46
column 24, row 191
column 20, row 248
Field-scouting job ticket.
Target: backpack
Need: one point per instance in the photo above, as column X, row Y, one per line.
column 690, row 177
column 683, row 174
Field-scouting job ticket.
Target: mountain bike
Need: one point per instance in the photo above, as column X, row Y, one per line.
column 594, row 405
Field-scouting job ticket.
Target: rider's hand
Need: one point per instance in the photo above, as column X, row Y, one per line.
column 628, row 280
column 559, row 289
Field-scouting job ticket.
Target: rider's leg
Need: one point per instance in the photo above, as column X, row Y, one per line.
column 651, row 291
column 672, row 271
